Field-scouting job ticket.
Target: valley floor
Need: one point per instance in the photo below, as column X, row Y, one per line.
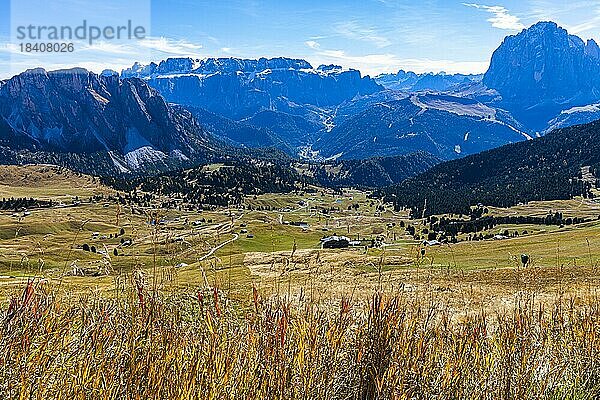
column 273, row 243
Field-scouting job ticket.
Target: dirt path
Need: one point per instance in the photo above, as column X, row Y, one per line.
column 212, row 251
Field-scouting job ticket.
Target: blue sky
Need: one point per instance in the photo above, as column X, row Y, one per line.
column 374, row 36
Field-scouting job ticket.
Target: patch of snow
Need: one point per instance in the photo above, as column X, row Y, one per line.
column 179, row 75
column 264, row 73
column 466, row 136
column 98, row 97
column 457, row 149
column 117, row 163
column 139, row 151
column 407, row 135
column 591, row 108
column 334, row 157
column 143, row 155
column 475, row 109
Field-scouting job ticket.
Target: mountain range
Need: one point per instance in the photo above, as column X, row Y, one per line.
column 411, row 82
column 183, row 111
column 538, row 80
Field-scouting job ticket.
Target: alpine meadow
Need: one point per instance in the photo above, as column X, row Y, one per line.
column 308, row 200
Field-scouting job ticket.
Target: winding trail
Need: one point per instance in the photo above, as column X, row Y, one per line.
column 214, row 249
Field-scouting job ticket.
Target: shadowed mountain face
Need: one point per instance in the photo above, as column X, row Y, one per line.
column 445, row 126
column 76, row 111
column 542, row 71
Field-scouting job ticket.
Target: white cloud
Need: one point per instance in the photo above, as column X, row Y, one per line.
column 374, row 64
column 584, row 26
column 354, row 30
column 107, row 47
column 501, row 18
column 10, row 48
column 312, row 44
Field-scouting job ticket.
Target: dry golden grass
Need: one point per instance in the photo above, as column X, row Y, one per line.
column 144, row 343
column 274, row 317
column 47, row 182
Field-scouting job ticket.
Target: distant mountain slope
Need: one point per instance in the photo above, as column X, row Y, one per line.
column 372, row 172
column 78, row 112
column 296, row 130
column 239, row 133
column 445, row 126
column 546, row 168
column 412, row 82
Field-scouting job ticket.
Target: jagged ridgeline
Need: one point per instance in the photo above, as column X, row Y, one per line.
column 560, row 165
column 79, row 119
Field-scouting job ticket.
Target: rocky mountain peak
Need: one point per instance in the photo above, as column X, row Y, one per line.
column 76, row 111
column 545, row 64
column 592, row 49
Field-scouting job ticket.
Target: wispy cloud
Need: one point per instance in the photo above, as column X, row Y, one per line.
column 10, row 48
column 107, row 47
column 354, row 30
column 587, row 12
column 170, row 46
column 550, row 9
column 501, row 18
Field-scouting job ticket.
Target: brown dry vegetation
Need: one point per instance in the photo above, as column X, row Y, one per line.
column 149, row 344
